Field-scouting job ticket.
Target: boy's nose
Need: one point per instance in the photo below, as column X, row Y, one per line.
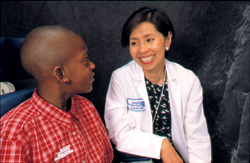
column 92, row 65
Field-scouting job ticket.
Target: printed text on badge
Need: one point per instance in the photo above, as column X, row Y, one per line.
column 137, row 105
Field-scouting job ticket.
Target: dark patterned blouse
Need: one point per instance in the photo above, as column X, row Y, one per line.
column 161, row 115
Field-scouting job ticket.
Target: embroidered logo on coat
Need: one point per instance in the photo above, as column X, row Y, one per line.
column 137, row 105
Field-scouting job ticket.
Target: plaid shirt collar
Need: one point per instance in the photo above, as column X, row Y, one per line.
column 49, row 111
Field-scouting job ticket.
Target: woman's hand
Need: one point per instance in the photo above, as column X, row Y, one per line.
column 168, row 153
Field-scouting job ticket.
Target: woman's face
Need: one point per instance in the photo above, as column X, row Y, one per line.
column 147, row 47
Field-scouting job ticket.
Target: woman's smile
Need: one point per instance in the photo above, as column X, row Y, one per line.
column 148, row 59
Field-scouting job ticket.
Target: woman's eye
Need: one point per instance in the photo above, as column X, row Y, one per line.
column 149, row 40
column 133, row 43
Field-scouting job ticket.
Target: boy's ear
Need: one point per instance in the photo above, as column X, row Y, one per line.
column 60, row 74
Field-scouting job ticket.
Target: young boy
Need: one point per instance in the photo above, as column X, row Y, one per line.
column 55, row 125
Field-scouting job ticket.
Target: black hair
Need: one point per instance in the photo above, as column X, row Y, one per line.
column 157, row 17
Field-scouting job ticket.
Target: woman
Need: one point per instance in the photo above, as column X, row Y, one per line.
column 153, row 106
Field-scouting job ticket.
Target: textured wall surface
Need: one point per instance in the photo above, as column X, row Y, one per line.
column 212, row 39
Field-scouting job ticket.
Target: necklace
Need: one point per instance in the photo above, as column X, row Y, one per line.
column 156, row 109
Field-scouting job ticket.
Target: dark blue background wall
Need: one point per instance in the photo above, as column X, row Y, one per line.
column 212, row 39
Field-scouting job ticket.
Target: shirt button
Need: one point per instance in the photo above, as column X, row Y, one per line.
column 74, row 133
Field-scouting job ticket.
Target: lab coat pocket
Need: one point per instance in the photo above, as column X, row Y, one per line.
column 138, row 114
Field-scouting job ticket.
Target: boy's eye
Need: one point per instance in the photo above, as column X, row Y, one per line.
column 86, row 60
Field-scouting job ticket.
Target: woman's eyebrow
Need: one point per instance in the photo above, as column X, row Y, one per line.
column 148, row 35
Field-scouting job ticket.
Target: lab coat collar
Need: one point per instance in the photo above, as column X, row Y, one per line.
column 138, row 71
column 139, row 74
column 170, row 70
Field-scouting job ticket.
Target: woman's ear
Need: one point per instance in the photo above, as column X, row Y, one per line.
column 169, row 39
column 60, row 74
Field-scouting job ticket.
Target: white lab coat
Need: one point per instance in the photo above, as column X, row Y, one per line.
column 130, row 124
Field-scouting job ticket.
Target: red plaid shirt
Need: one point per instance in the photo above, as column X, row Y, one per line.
column 36, row 131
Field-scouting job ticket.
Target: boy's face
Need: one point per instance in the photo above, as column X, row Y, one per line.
column 80, row 68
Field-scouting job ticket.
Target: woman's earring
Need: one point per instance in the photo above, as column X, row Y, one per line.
column 167, row 48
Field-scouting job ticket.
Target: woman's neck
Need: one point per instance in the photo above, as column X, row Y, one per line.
column 156, row 77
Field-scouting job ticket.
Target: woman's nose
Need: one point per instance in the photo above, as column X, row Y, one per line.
column 143, row 48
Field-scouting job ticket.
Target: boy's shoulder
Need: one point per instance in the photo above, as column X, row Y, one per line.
column 82, row 102
column 15, row 120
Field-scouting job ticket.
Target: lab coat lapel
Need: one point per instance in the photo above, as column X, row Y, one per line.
column 174, row 96
column 175, row 102
column 174, row 89
column 143, row 92
column 140, row 84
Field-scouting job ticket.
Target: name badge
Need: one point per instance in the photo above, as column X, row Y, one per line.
column 65, row 151
column 137, row 105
